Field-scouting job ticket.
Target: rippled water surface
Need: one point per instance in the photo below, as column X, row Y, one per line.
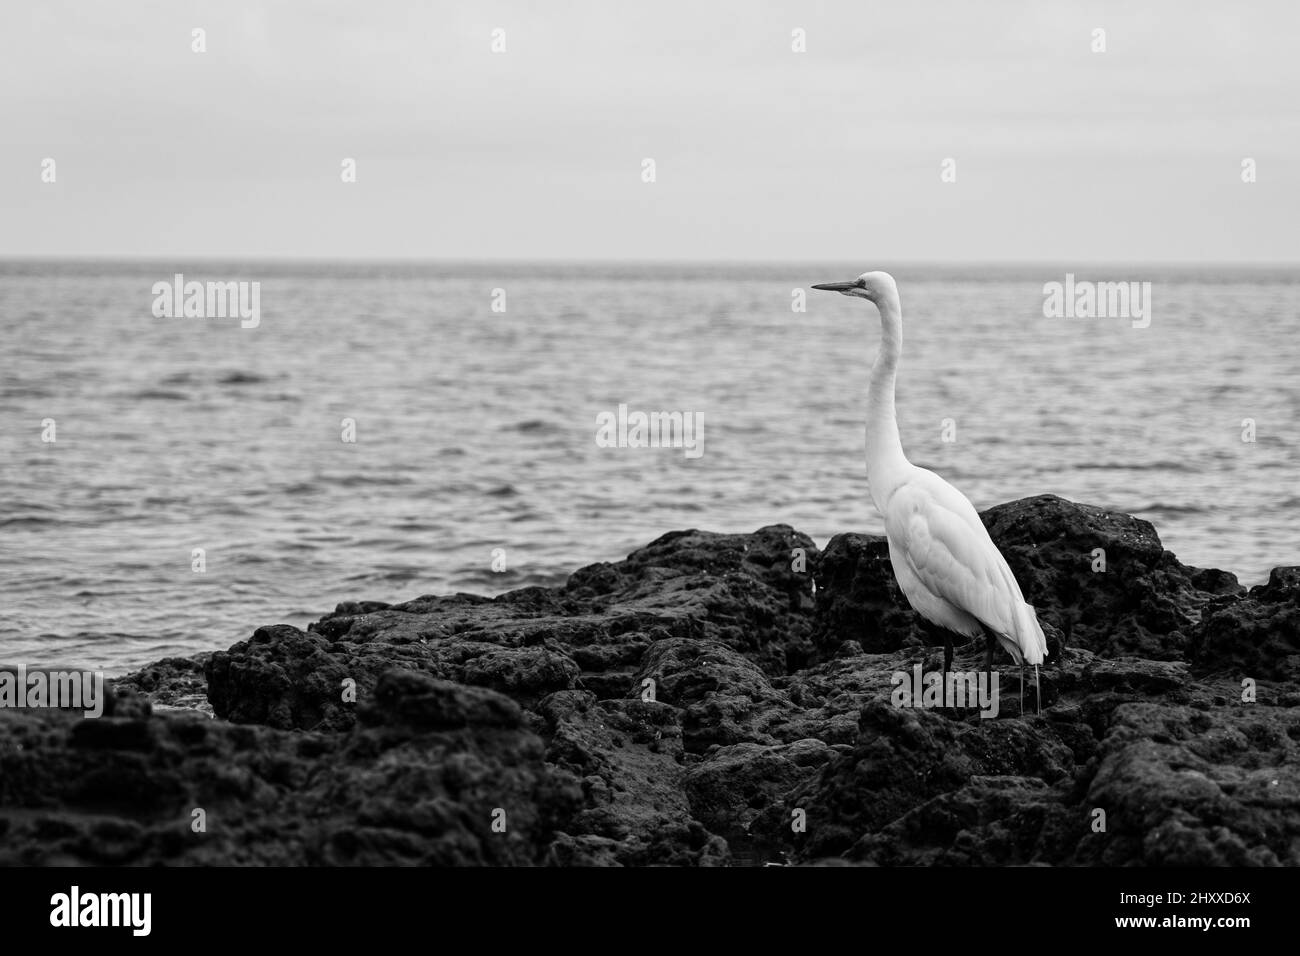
column 476, row 429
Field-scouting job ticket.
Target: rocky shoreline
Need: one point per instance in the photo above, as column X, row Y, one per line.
column 713, row 699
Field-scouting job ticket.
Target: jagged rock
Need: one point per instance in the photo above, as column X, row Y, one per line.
column 904, row 757
column 859, row 600
column 177, row 682
column 1144, row 604
column 694, row 704
column 420, row 783
column 628, row 755
column 742, row 590
column 732, row 785
column 1183, row 786
column 724, row 698
column 737, row 590
column 1256, row 636
column 989, row 821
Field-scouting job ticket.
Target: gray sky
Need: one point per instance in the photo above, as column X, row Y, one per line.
column 761, row 153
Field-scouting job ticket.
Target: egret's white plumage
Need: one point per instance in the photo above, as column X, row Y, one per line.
column 946, row 564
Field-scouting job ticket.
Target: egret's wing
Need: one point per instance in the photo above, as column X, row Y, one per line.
column 948, row 549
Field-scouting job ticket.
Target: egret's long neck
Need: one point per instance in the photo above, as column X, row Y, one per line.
column 886, row 463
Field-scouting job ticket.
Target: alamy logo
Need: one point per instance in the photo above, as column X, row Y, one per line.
column 208, row 300
column 951, row 689
column 74, row 908
column 64, row 690
column 683, row 430
column 1098, row 300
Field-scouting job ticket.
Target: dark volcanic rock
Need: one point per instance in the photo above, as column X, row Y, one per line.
column 1257, row 636
column 988, row 821
column 733, row 785
column 737, row 590
column 903, row 758
column 1144, row 604
column 172, row 682
column 628, row 755
column 285, row 678
column 695, row 704
column 423, row 783
column 1136, row 738
column 1184, row 786
column 742, row 590
column 724, row 698
column 859, row 600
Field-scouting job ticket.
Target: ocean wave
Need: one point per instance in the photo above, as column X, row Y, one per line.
column 1165, row 466
column 362, row 481
column 242, row 378
column 534, row 426
column 33, row 521
column 1167, row 509
column 159, row 395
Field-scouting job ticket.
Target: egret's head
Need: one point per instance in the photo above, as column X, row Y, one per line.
column 874, row 286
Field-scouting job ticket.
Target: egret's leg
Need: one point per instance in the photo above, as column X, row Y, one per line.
column 1022, row 690
column 935, row 631
column 947, row 664
column 990, row 644
column 1038, row 693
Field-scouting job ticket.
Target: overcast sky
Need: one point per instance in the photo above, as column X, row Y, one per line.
column 1061, row 153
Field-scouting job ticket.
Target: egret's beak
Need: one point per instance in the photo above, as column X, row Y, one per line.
column 837, row 286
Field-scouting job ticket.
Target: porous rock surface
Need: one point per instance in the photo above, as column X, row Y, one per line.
column 713, row 699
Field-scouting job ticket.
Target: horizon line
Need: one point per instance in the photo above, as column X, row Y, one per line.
column 614, row 261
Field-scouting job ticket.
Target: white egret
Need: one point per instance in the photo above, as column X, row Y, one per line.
column 946, row 564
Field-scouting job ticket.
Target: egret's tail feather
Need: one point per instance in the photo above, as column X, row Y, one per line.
column 1033, row 640
column 1023, row 636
